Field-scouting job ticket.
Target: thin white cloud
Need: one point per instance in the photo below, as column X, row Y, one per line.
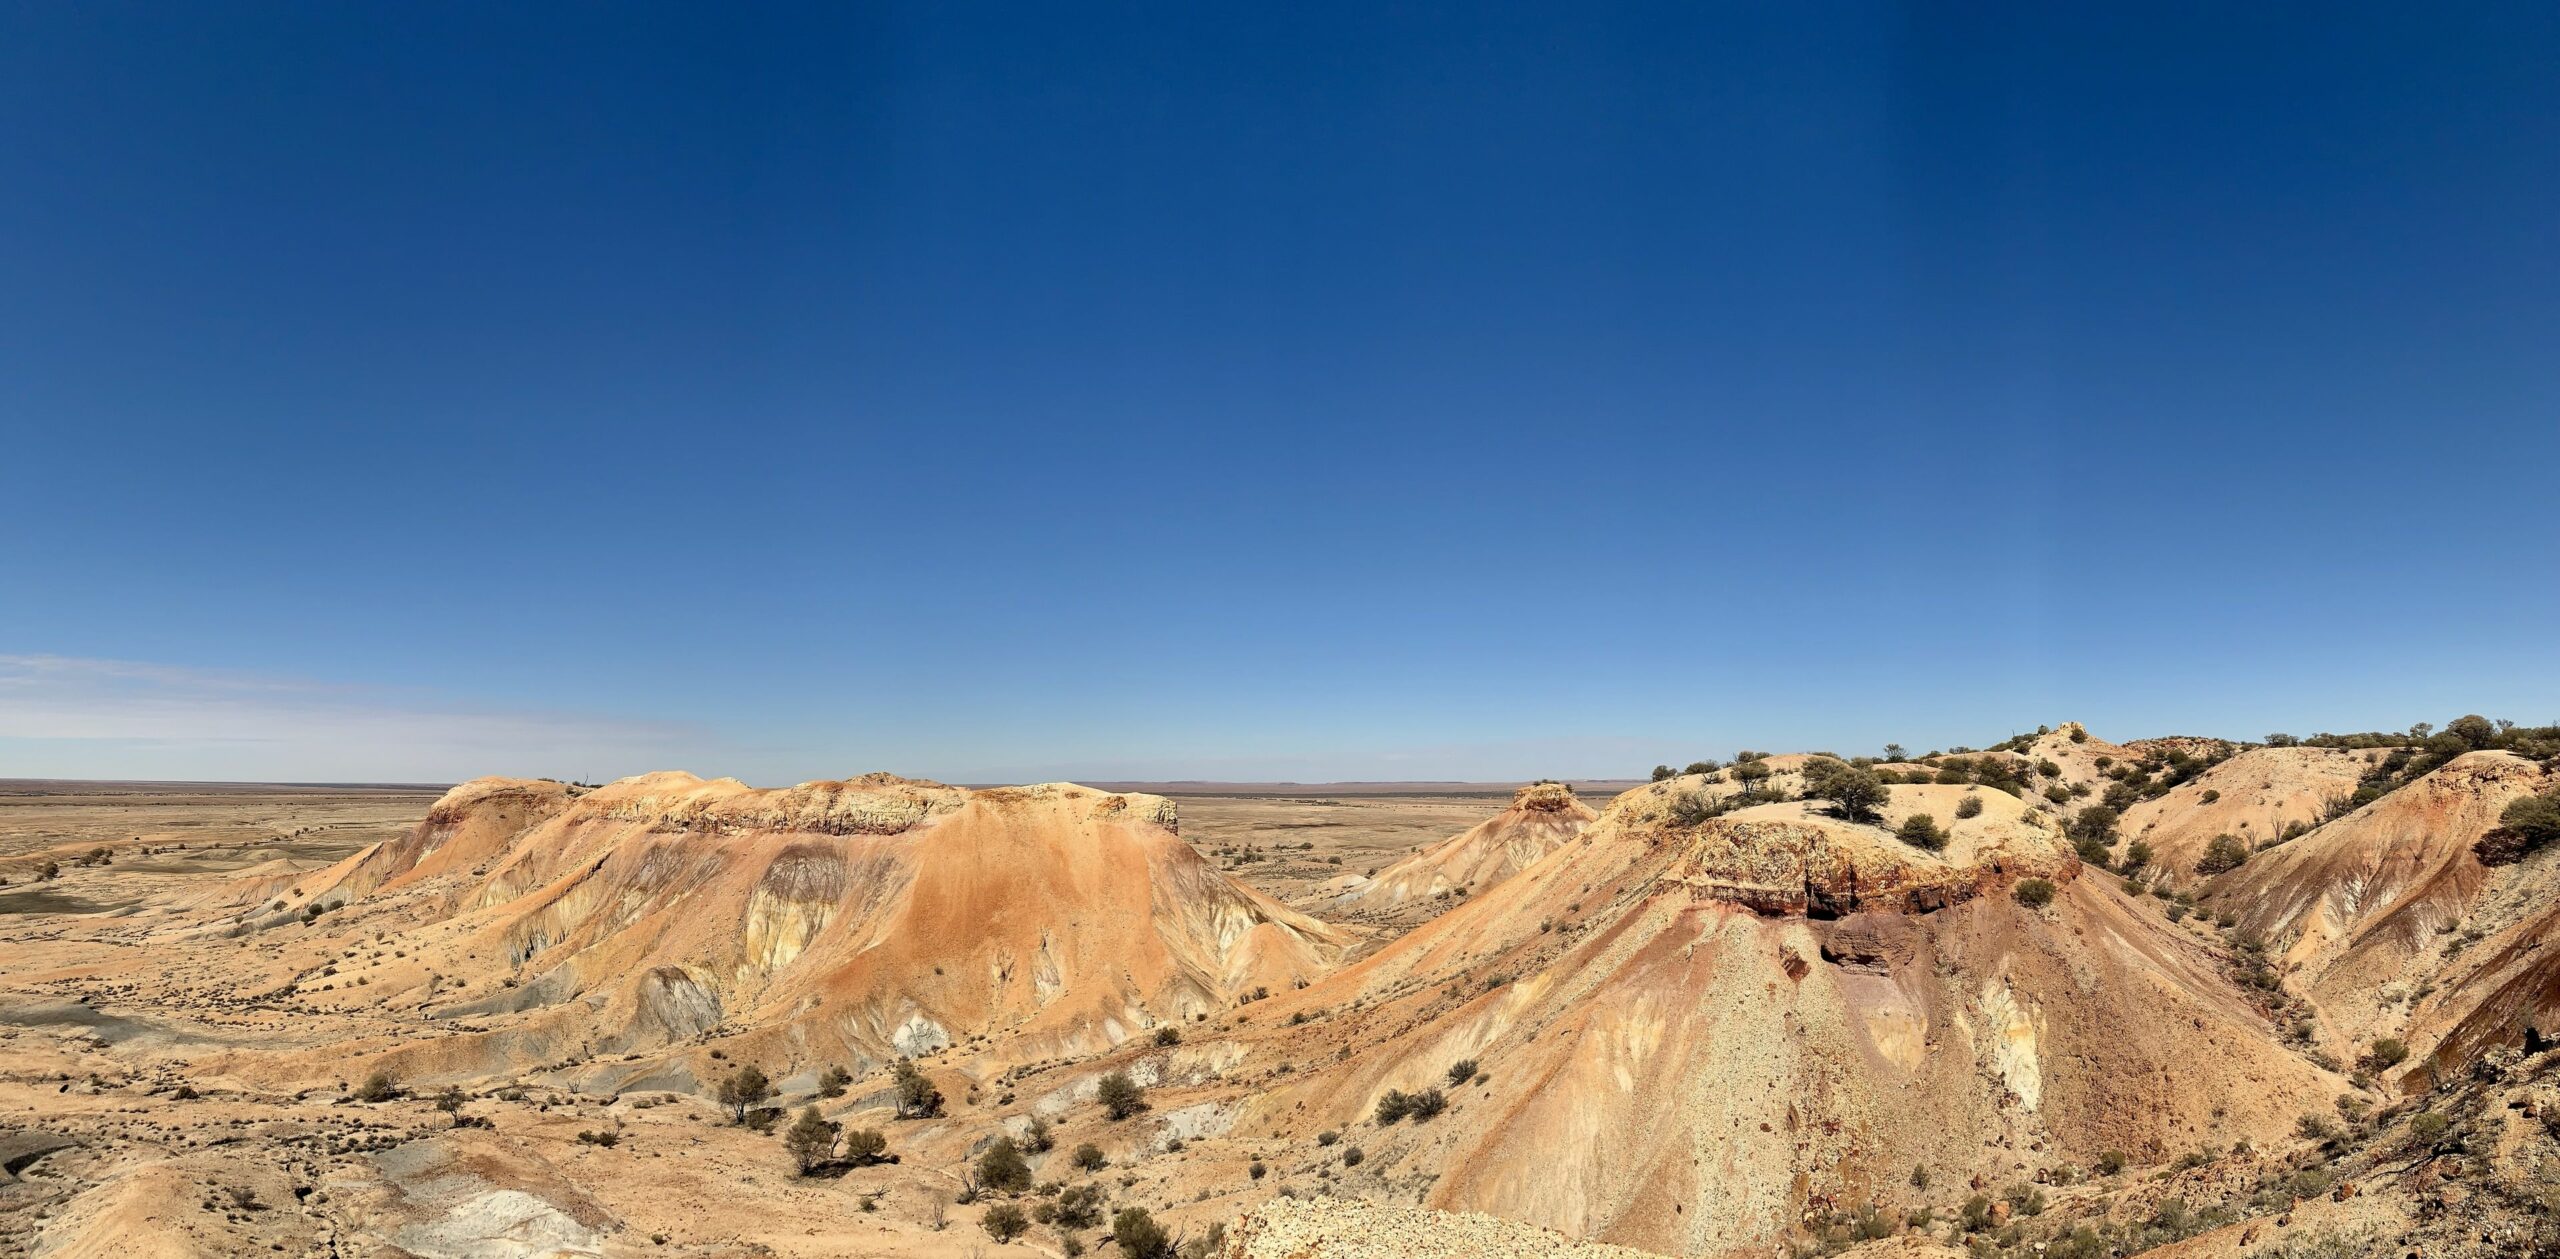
column 69, row 717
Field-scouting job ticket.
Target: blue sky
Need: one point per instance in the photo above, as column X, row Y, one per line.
column 1320, row 392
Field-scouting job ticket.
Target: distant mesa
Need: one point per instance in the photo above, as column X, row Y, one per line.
column 858, row 920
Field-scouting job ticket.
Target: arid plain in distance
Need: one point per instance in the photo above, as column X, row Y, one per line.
column 2061, row 996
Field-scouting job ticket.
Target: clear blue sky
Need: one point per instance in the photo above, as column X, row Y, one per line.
column 1294, row 391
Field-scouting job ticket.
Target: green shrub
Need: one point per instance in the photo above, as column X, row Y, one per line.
column 865, row 1146
column 1088, row 1157
column 1002, row 1167
column 2110, row 1162
column 2033, row 893
column 1427, row 1105
column 917, row 1096
column 1004, row 1222
column 2226, row 852
column 1167, row 1036
column 2385, row 1054
column 1139, row 1236
column 1461, row 1071
column 1120, row 1096
column 1970, row 806
column 378, row 1087
column 2527, row 825
column 743, row 1090
column 1079, row 1206
column 811, row 1140
column 1921, row 831
column 1351, row 1156
column 1855, row 794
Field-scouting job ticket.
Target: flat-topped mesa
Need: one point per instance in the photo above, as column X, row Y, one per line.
column 873, row 804
column 480, row 795
column 1544, row 797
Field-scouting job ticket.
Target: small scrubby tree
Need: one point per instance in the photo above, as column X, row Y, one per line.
column 1088, row 1157
column 865, row 1146
column 2226, row 852
column 1970, row 806
column 811, row 1140
column 1120, row 1096
column 1002, row 1168
column 1461, row 1071
column 378, row 1087
column 1139, row 1236
column 745, row 1089
column 2096, row 823
column 1004, row 1222
column 917, row 1097
column 1855, row 794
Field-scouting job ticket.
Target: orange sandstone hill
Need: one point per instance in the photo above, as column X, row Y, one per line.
column 1542, row 817
column 2390, row 922
column 830, row 922
column 1694, row 1034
